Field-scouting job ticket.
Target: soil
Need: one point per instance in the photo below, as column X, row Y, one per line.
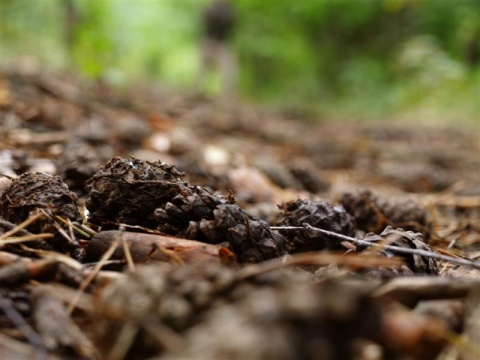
column 143, row 223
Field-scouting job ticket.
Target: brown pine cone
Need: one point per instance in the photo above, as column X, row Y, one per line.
column 373, row 214
column 153, row 195
column 319, row 214
column 33, row 191
column 415, row 264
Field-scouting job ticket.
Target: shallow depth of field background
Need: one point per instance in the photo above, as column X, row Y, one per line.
column 348, row 59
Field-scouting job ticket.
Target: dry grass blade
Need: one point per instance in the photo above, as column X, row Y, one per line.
column 61, row 258
column 92, row 275
column 64, row 233
column 126, row 250
column 80, row 227
column 21, row 226
column 79, row 230
column 174, row 258
column 26, row 238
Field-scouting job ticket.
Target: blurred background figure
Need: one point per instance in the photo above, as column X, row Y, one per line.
column 216, row 52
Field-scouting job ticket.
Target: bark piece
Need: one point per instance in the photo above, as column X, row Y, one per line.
column 149, row 247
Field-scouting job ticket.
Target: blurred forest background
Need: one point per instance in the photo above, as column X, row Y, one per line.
column 327, row 58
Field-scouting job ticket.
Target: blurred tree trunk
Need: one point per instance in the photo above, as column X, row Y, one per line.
column 71, row 20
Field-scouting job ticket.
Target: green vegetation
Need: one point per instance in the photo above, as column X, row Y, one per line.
column 348, row 58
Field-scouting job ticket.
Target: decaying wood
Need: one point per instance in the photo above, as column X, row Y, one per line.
column 149, row 247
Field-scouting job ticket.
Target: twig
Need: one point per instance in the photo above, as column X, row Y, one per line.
column 64, row 234
column 420, row 252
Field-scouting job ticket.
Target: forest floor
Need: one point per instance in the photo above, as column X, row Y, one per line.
column 197, row 229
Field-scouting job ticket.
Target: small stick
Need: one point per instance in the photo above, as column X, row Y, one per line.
column 420, row 252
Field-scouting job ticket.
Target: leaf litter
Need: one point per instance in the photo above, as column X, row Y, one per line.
column 156, row 225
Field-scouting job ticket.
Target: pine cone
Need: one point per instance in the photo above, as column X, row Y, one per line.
column 32, row 191
column 153, row 195
column 319, row 214
column 373, row 214
column 416, row 264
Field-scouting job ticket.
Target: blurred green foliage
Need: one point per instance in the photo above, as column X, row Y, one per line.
column 356, row 58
